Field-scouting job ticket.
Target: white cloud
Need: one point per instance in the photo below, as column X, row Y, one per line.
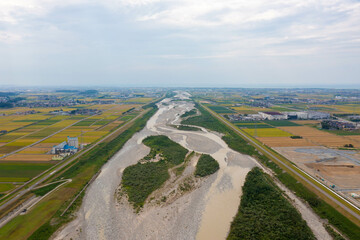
column 225, row 27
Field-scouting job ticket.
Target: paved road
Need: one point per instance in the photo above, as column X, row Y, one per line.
column 41, row 180
column 353, row 213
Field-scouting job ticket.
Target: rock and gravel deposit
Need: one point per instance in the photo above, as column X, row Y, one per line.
column 204, row 212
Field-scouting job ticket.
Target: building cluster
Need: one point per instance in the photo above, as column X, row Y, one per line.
column 70, row 146
column 337, row 125
column 354, row 118
column 312, row 115
column 79, row 111
column 272, row 116
column 304, row 115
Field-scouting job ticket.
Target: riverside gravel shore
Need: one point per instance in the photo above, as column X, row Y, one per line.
column 205, row 212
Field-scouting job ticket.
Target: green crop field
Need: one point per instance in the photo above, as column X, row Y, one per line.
column 253, row 125
column 13, row 179
column 4, row 187
column 220, row 109
column 21, row 171
column 43, row 132
column 281, row 123
column 48, row 122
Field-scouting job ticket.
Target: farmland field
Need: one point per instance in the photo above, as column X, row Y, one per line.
column 220, row 109
column 249, row 109
column 28, row 157
column 284, row 142
column 321, row 137
column 13, row 172
column 260, row 125
column 281, row 123
column 267, row 132
column 4, row 187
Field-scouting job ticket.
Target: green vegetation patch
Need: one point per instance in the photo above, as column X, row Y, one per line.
column 265, row 214
column 43, row 133
column 282, row 109
column 4, row 187
column 331, row 231
column 220, row 109
column 47, row 122
column 187, row 128
column 22, row 170
column 102, row 122
column 44, row 190
column 281, row 123
column 171, row 152
column 253, row 125
column 343, row 132
column 206, row 165
column 141, row 179
column 189, row 113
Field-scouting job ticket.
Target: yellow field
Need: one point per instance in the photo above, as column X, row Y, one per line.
column 110, row 126
column 348, row 108
column 35, row 150
column 23, row 142
column 64, row 123
column 139, row 100
column 28, row 157
column 44, row 145
column 30, row 133
column 55, row 140
column 267, row 132
column 248, row 108
column 95, row 133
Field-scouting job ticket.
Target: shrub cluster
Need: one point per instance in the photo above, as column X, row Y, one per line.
column 264, row 213
column 206, row 165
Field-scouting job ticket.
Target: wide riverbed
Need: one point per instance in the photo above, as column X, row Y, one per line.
column 204, row 213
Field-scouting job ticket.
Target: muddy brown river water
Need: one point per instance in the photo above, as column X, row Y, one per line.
column 204, row 213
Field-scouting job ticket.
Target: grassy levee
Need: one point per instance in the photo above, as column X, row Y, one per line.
column 206, row 165
column 264, row 213
column 44, row 219
column 141, row 179
column 42, row 191
column 321, row 206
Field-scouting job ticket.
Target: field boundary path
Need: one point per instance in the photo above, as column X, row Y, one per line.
column 43, row 139
column 344, row 203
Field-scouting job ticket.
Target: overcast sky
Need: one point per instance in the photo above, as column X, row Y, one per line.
column 222, row 43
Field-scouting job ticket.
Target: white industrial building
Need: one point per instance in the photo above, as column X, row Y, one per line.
column 273, row 116
column 307, row 115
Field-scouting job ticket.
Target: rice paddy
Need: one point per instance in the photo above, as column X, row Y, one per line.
column 220, row 109
column 4, row 187
column 20, row 172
